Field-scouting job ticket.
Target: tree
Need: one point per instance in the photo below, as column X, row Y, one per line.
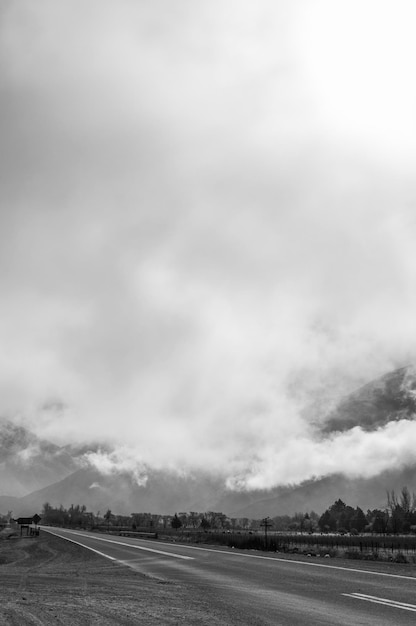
column 378, row 520
column 358, row 520
column 305, row 523
column 402, row 511
column 281, row 522
column 176, row 522
column 396, row 513
column 217, row 519
column 205, row 524
column 342, row 517
column 338, row 507
column 107, row 517
column 143, row 520
column 244, row 523
column 194, row 519
column 184, row 519
column 327, row 522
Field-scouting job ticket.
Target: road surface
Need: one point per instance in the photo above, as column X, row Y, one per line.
column 261, row 588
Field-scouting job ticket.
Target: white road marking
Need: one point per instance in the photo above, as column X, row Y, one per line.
column 122, row 543
column 275, row 558
column 385, row 601
column 254, row 556
column 107, row 556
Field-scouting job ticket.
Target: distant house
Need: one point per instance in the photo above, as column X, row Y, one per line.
column 30, row 524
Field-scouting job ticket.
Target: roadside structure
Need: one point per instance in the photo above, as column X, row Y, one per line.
column 30, row 524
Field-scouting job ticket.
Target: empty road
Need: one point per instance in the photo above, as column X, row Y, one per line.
column 261, row 588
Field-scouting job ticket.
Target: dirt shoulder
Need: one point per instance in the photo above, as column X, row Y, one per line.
column 46, row 580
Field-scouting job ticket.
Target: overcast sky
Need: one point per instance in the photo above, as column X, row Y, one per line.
column 208, row 226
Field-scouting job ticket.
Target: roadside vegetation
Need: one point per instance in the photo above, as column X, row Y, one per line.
column 397, row 517
column 341, row 530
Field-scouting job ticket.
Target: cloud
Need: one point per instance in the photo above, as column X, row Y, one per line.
column 358, row 81
column 95, row 485
column 355, row 453
column 121, row 461
column 194, row 259
column 25, row 455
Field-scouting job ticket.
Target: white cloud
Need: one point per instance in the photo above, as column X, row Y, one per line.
column 192, row 253
column 355, row 453
column 356, row 59
column 116, row 462
column 95, row 485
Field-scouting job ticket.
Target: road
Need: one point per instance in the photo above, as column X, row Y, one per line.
column 260, row 588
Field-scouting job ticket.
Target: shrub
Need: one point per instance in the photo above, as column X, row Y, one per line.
column 353, row 554
column 400, row 558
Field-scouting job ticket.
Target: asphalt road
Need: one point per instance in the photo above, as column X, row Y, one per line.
column 260, row 588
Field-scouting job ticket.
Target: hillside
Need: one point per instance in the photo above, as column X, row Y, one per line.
column 28, row 462
column 34, row 471
column 318, row 495
column 391, row 397
column 164, row 493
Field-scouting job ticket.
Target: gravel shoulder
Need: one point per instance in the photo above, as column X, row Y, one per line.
column 46, row 580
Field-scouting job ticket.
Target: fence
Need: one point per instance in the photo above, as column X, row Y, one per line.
column 392, row 547
column 359, row 546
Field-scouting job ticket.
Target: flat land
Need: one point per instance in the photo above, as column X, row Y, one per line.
column 46, row 580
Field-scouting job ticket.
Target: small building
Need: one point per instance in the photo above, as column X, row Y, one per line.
column 30, row 524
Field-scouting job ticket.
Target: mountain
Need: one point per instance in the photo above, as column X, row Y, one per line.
column 163, row 493
column 391, row 397
column 318, row 495
column 28, row 462
column 34, row 471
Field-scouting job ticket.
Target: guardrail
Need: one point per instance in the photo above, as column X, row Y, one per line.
column 138, row 534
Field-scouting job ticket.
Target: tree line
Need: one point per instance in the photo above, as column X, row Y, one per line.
column 397, row 517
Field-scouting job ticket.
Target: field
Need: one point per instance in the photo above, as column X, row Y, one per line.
column 396, row 548
column 48, row 581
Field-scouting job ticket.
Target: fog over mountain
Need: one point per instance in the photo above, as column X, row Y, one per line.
column 207, row 228
column 390, row 398
column 27, row 462
column 101, row 478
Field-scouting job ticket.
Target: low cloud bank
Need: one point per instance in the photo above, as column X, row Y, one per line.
column 355, row 453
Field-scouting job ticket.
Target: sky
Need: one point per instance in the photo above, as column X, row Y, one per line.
column 207, row 228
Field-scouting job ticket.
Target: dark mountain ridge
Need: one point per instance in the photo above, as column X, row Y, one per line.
column 391, row 397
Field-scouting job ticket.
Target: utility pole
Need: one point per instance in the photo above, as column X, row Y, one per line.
column 266, row 523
